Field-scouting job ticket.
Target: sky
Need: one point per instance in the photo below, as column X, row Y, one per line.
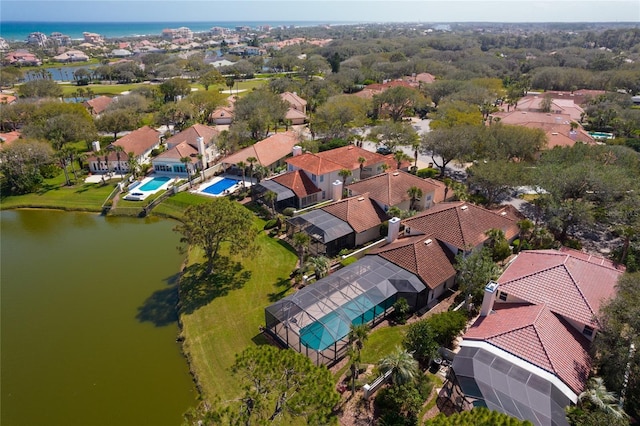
column 327, row 10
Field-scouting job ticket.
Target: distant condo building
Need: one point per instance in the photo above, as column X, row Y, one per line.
column 93, row 38
column 39, row 39
column 61, row 39
column 3, row 45
column 217, row 31
column 175, row 33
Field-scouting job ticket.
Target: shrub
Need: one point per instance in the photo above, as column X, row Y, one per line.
column 270, row 224
column 574, row 244
column 401, row 310
column 348, row 261
column 420, row 341
column 445, row 326
column 289, row 211
column 429, row 172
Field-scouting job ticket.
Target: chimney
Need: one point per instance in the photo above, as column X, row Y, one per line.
column 297, row 150
column 202, row 151
column 393, row 230
column 337, row 190
column 489, row 297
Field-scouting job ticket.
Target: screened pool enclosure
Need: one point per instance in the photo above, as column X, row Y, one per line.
column 316, row 320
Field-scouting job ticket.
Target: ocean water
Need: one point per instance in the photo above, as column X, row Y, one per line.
column 18, row 31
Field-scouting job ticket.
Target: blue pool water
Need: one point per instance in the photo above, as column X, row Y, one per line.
column 154, row 183
column 220, row 186
column 333, row 327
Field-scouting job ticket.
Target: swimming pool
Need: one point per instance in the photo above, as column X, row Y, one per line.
column 220, row 186
column 601, row 135
column 332, row 327
column 154, row 183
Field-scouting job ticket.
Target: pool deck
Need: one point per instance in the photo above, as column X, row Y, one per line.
column 146, row 194
column 200, row 189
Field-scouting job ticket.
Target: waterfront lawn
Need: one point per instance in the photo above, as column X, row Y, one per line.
column 55, row 195
column 216, row 332
column 175, row 205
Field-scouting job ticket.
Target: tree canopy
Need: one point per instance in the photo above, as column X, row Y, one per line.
column 210, row 225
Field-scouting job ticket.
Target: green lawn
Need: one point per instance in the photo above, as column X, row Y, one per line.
column 55, row 195
column 229, row 323
column 175, row 205
column 382, row 342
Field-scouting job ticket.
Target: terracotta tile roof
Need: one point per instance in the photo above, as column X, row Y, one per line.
column 221, row 112
column 390, row 188
column 6, row 99
column 298, row 182
column 314, row 164
column 296, row 101
column 347, row 156
column 139, row 141
column 8, row 138
column 520, row 118
column 98, row 105
column 570, row 283
column 381, row 87
column 183, row 149
column 294, row 114
column 461, row 224
column 393, row 164
column 421, row 255
column 535, row 334
column 267, row 151
column 191, row 134
column 360, row 212
column 559, row 105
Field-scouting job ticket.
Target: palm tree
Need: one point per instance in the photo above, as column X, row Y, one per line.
column 261, row 172
column 320, row 265
column 415, row 145
column 270, row 197
column 186, row 161
column 598, row 395
column 241, row 165
column 415, row 194
column 200, row 157
column 301, row 242
column 251, row 161
column 361, row 160
column 400, row 156
column 344, row 174
column 118, row 150
column 132, row 164
column 403, row 366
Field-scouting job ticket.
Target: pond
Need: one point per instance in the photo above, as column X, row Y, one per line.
column 89, row 323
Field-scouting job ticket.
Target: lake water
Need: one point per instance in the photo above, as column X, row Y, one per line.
column 88, row 321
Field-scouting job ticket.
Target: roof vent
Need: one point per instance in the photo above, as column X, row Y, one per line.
column 427, row 242
column 360, row 198
column 503, row 213
column 464, row 207
column 396, row 173
column 554, row 133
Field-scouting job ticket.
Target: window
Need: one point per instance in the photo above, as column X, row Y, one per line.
column 313, row 177
column 502, row 296
column 588, row 331
column 321, row 178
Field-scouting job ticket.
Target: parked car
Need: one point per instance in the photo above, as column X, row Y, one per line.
column 383, row 150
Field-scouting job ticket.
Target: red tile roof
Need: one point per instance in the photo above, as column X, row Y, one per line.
column 8, row 138
column 360, row 212
column 421, row 255
column 535, row 334
column 98, row 105
column 298, row 182
column 267, row 151
column 461, row 224
column 139, row 141
column 313, row 164
column 570, row 283
column 191, row 134
column 390, row 188
column 296, row 101
column 347, row 156
column 183, row 149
